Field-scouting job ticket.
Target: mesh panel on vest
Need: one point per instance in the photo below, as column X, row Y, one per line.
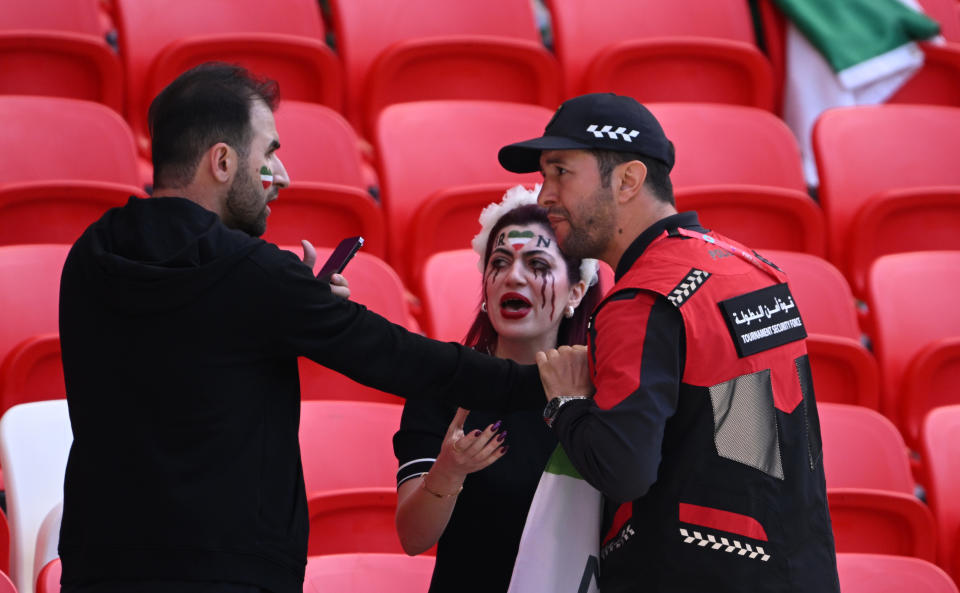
column 744, row 422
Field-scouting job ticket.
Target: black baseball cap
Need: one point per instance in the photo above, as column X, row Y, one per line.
column 602, row 121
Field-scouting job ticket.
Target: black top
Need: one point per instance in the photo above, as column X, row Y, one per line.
column 477, row 549
column 180, row 340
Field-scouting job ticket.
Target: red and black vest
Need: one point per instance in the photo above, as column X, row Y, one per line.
column 739, row 503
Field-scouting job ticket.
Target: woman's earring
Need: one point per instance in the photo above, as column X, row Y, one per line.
column 568, row 312
column 483, row 306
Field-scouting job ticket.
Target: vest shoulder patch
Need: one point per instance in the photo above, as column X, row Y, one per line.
column 763, row 319
column 689, row 285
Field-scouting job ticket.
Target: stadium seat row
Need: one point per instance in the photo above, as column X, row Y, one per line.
column 352, row 499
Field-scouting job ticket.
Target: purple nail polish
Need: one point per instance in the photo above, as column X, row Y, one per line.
column 501, row 436
column 477, row 433
column 496, row 426
column 504, row 448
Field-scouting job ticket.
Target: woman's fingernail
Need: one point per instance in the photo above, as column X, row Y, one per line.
column 504, row 448
column 478, row 433
column 496, row 426
column 502, row 436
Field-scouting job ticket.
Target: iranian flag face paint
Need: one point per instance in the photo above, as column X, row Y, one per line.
column 266, row 177
column 517, row 239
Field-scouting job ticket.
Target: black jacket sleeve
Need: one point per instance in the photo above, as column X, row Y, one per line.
column 311, row 321
column 614, row 440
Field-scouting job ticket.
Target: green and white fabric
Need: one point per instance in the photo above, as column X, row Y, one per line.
column 847, row 52
column 560, row 546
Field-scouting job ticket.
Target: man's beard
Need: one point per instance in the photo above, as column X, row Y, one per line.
column 589, row 235
column 246, row 207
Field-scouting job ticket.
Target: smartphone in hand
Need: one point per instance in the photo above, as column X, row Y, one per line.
column 340, row 257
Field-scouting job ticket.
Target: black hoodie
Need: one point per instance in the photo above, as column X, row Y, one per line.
column 180, row 340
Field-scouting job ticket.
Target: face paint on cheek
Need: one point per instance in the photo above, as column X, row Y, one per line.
column 553, row 296
column 266, row 177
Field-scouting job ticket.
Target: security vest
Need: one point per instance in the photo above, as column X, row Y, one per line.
column 739, row 503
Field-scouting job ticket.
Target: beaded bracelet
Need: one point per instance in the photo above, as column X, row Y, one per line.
column 423, row 482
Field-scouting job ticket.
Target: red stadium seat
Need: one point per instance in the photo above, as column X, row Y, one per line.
column 29, row 293
column 662, row 51
column 761, row 217
column 870, row 487
column 451, row 293
column 434, row 49
column 740, row 169
column 56, row 211
column 844, row 371
column 328, row 196
column 931, row 380
column 448, row 220
column 373, row 283
column 729, row 144
column 325, row 213
column 460, row 151
column 368, row 573
column 938, row 80
column 32, row 371
column 57, row 48
column 911, row 300
column 158, row 41
column 356, row 520
column 870, row 159
column 879, row 573
column 318, row 145
column 941, row 441
column 348, row 445
column 48, row 581
column 92, row 142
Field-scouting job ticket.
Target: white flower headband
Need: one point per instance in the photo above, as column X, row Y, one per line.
column 514, row 198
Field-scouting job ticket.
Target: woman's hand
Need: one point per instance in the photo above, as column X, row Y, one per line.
column 339, row 286
column 464, row 453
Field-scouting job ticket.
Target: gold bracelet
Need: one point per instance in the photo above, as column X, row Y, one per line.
column 423, row 482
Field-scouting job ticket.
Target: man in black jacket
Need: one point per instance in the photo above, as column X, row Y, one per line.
column 180, row 333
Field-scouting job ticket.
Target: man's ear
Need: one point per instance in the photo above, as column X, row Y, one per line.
column 221, row 160
column 629, row 180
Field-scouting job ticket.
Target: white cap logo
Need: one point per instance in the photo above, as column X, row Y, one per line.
column 619, row 134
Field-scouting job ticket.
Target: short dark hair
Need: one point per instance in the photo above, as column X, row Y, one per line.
column 658, row 175
column 203, row 106
column 483, row 337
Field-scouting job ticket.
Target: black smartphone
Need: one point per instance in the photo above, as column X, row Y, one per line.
column 340, row 257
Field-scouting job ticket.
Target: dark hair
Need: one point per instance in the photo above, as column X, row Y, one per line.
column 203, row 106
column 483, row 337
column 658, row 176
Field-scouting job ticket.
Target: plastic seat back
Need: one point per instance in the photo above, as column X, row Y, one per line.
column 870, row 487
column 881, row 573
column 35, row 440
column 911, row 302
column 433, row 49
column 730, row 144
column 863, row 449
column 460, row 150
column 318, row 145
column 866, row 151
column 93, row 143
column 348, row 445
column 451, row 292
column 158, row 41
column 671, row 51
column 32, row 371
column 354, row 520
column 368, row 573
column 48, row 581
column 57, row 48
column 374, row 284
column 29, row 293
column 941, row 441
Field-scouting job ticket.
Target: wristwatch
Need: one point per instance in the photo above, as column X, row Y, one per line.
column 553, row 407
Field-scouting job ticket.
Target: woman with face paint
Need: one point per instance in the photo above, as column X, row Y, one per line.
column 466, row 479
